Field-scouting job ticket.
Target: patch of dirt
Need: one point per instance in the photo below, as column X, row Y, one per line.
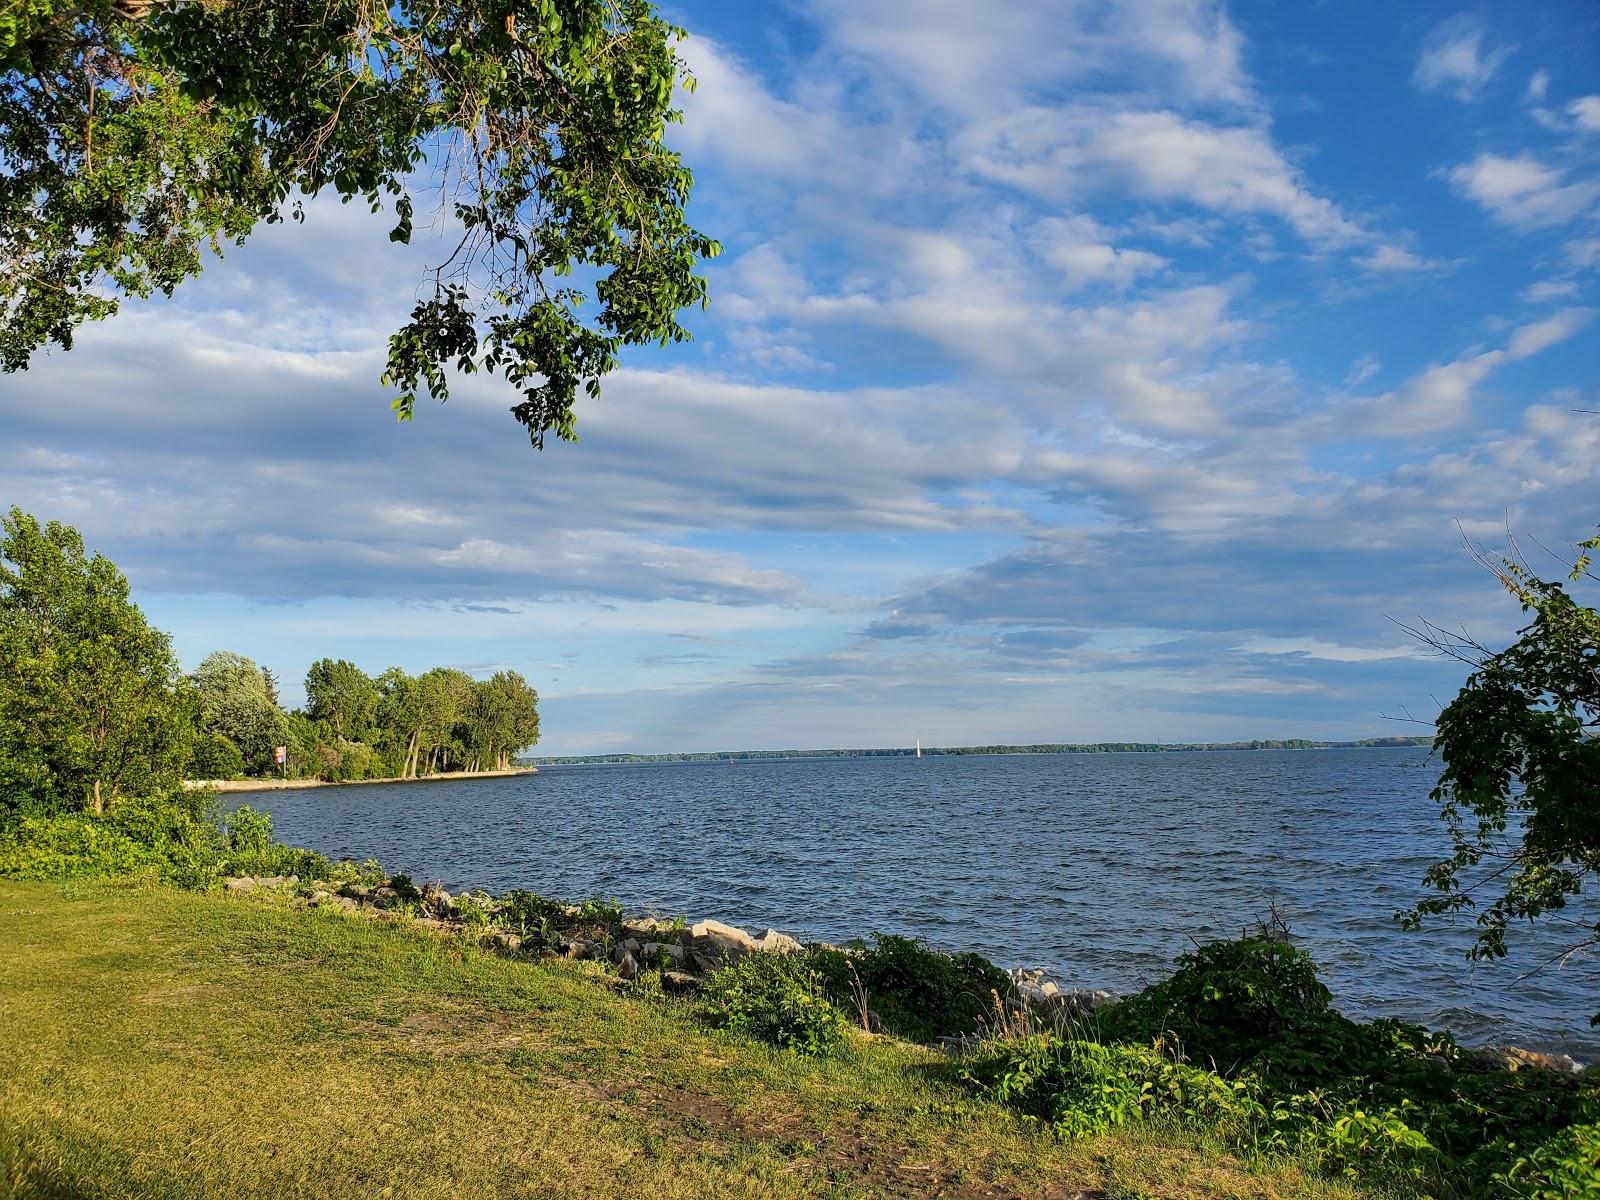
column 845, row 1157
column 458, row 1035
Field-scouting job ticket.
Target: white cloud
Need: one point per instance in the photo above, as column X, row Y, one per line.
column 1532, row 339
column 1583, row 252
column 1453, row 57
column 1523, row 192
column 732, row 119
column 1538, row 85
column 1080, row 248
column 966, row 60
column 1363, row 369
column 1545, row 290
column 1397, row 259
column 1585, row 111
column 1329, row 651
column 1440, row 397
column 1061, row 153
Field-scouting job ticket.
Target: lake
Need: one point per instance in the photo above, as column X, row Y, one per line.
column 1098, row 867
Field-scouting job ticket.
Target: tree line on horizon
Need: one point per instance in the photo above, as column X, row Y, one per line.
column 355, row 725
column 95, row 707
column 958, row 751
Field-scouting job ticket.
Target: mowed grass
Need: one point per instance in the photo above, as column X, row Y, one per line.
column 161, row 1043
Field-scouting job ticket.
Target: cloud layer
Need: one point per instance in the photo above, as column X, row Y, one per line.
column 1073, row 373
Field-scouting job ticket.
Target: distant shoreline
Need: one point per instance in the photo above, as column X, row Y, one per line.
column 288, row 785
column 1382, row 743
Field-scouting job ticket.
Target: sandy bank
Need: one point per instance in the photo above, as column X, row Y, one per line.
column 280, row 785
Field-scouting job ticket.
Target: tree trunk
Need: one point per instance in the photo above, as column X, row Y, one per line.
column 96, row 804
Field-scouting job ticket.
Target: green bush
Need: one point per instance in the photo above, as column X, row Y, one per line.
column 174, row 837
column 1384, row 1101
column 1079, row 1088
column 1226, row 1002
column 1567, row 1167
column 215, row 757
column 918, row 993
column 249, row 831
column 177, row 838
column 777, row 998
column 251, row 850
column 1346, row 1137
column 533, row 918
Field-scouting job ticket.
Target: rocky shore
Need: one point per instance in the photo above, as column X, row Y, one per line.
column 521, row 925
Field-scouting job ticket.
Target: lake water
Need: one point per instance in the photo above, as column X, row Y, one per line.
column 1099, row 867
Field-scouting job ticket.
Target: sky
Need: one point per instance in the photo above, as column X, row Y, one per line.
column 1073, row 371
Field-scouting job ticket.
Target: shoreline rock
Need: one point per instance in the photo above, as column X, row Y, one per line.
column 683, row 954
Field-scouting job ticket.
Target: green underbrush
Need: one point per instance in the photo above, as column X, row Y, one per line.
column 1240, row 1047
column 182, row 838
column 1243, row 1040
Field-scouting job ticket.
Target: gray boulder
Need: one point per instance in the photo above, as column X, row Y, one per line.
column 655, row 952
column 680, row 982
column 714, row 942
column 773, row 942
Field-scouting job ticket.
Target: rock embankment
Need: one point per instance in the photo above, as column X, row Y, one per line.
column 521, row 925
column 682, row 952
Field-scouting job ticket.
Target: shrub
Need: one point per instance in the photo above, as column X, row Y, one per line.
column 533, row 918
column 1348, row 1138
column 249, row 831
column 1566, row 1167
column 1080, row 1087
column 215, row 757
column 1226, row 1002
column 174, row 837
column 250, row 850
column 1384, row 1101
column 777, row 998
column 368, row 872
column 597, row 920
column 918, row 993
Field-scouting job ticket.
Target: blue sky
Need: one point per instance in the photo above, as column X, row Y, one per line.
column 1074, row 371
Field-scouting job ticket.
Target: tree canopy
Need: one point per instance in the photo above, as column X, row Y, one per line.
column 237, row 703
column 93, row 705
column 1520, row 788
column 136, row 133
column 343, row 695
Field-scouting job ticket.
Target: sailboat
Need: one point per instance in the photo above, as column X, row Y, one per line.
column 919, row 747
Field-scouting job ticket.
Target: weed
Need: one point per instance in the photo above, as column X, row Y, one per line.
column 776, row 998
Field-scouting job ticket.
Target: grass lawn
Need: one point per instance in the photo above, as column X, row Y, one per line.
column 160, row 1043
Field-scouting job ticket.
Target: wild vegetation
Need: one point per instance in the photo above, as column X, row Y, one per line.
column 95, row 709
column 1520, row 789
column 1240, row 1047
column 240, row 1046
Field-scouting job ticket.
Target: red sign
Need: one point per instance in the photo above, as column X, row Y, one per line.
column 280, row 754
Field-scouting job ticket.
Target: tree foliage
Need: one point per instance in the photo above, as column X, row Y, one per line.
column 137, row 133
column 1520, row 788
column 93, row 706
column 237, row 704
column 343, row 695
